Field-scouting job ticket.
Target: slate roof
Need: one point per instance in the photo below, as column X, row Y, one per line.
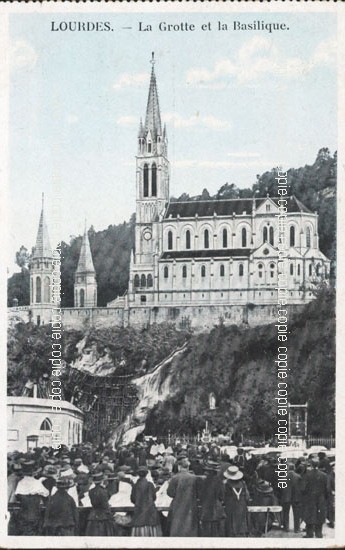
column 208, row 253
column 226, row 207
column 42, row 248
column 85, row 264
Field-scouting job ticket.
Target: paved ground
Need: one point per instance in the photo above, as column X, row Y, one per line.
column 276, row 533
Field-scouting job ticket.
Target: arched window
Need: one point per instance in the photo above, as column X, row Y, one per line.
column 240, row 270
column 154, row 180
column 203, row 271
column 149, row 147
column 46, row 290
column 317, row 269
column 292, row 235
column 310, row 270
column 146, row 180
column 225, row 238
column 166, row 272
column 260, row 268
column 291, row 269
column 244, row 237
column 149, row 281
column 136, row 281
column 206, row 238
column 170, row 240
column 221, row 270
column 188, row 239
column 184, row 271
column 271, row 235
column 272, row 266
column 46, row 425
column 298, row 269
column 265, row 235
column 81, row 297
column 143, row 281
column 308, row 237
column 38, row 290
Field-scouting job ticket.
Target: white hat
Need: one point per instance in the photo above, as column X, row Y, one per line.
column 233, row 473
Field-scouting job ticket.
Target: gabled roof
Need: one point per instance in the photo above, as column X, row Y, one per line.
column 85, row 264
column 42, row 248
column 208, row 253
column 226, row 207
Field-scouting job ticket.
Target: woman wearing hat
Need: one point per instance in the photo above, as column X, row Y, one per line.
column 61, row 517
column 29, row 492
column 236, row 498
column 100, row 522
column 211, row 494
column 146, row 519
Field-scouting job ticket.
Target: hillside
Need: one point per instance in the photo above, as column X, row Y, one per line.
column 235, row 363
column 314, row 185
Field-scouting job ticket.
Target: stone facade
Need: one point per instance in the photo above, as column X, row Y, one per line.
column 195, row 263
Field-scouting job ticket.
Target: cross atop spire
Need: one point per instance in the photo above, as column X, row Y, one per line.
column 153, row 116
column 42, row 248
column 153, row 59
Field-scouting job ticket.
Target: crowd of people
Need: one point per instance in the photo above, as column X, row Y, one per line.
column 149, row 489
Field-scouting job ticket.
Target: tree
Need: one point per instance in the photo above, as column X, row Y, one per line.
column 22, row 257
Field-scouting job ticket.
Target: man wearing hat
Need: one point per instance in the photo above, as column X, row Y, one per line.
column 61, row 517
column 315, row 488
column 30, row 492
column 49, row 475
column 211, row 494
column 263, row 495
column 184, row 506
column 236, row 498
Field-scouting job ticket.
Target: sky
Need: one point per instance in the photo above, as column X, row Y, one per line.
column 236, row 104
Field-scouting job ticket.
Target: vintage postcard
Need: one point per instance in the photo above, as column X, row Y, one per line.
column 171, row 209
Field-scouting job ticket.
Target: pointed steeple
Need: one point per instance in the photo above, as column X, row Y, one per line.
column 153, row 116
column 85, row 264
column 42, row 248
column 141, row 132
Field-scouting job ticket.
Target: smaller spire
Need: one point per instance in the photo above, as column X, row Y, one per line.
column 141, row 132
column 85, row 264
column 42, row 248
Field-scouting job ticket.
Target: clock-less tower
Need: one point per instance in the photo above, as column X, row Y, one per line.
column 152, row 193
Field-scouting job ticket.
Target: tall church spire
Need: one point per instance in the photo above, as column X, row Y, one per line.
column 42, row 248
column 153, row 115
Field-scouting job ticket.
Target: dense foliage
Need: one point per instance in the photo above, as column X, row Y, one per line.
column 314, row 185
column 238, row 365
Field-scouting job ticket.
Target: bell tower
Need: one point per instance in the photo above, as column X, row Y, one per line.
column 152, row 176
column 41, row 266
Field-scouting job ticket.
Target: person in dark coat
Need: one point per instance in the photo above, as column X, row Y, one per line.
column 61, row 516
column 211, row 496
column 315, row 488
column 292, row 496
column 263, row 495
column 331, row 497
column 49, row 476
column 100, row 522
column 183, row 514
column 145, row 520
column 236, row 498
column 30, row 493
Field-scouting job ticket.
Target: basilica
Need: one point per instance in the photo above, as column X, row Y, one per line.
column 192, row 260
